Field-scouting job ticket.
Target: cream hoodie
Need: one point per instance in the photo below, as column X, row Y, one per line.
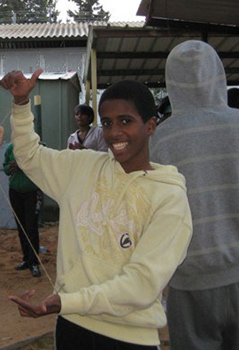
column 121, row 236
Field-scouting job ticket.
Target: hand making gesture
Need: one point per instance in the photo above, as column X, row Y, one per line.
column 19, row 86
column 51, row 305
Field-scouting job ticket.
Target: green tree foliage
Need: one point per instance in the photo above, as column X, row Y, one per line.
column 28, row 11
column 89, row 10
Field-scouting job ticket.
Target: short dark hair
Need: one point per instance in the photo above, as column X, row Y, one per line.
column 134, row 92
column 87, row 110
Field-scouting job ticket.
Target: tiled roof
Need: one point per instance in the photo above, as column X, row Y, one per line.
column 55, row 30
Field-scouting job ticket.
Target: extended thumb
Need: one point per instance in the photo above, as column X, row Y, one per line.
column 35, row 76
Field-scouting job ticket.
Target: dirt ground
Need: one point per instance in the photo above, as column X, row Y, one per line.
column 13, row 328
column 25, row 333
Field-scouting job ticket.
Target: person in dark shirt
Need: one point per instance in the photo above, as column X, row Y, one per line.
column 25, row 198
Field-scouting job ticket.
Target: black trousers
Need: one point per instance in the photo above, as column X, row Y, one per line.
column 72, row 337
column 26, row 207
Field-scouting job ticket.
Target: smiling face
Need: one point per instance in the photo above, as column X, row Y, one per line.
column 126, row 134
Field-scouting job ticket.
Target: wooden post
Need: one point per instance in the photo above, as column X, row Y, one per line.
column 94, row 83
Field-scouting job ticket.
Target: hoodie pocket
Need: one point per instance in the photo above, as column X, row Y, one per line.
column 86, row 271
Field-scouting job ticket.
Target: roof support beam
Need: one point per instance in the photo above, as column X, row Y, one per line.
column 87, row 93
column 128, row 72
column 94, row 81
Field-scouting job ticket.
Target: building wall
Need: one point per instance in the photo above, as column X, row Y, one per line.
column 49, row 59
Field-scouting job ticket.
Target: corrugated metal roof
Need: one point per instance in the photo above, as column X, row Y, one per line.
column 217, row 14
column 141, row 53
column 54, row 30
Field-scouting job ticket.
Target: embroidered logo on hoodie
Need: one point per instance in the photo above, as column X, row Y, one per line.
column 125, row 241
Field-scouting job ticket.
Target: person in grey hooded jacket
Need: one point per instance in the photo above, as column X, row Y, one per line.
column 201, row 139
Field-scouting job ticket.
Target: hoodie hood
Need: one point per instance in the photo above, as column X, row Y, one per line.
column 167, row 174
column 201, row 86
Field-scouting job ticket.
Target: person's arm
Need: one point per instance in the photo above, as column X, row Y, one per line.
column 41, row 164
column 20, row 88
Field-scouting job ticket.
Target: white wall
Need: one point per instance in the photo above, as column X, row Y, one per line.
column 49, row 59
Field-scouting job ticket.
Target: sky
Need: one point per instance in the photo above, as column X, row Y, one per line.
column 120, row 10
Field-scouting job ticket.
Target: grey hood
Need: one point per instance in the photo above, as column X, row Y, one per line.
column 201, row 86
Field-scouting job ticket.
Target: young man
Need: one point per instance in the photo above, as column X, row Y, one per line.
column 125, row 223
column 201, row 139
